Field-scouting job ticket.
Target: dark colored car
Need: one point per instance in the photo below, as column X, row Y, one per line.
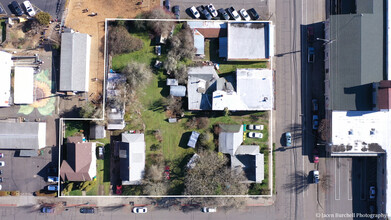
column 1, row 179
column 310, row 34
column 206, row 14
column 200, row 8
column 253, row 14
column 176, row 11
column 223, row 14
column 167, row 4
column 47, row 209
column 233, row 13
column 17, row 9
column 87, row 210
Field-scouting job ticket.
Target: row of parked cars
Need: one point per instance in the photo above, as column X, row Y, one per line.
column 209, row 11
column 17, row 9
column 252, row 134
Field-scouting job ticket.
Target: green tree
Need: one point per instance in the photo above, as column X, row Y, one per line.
column 43, row 18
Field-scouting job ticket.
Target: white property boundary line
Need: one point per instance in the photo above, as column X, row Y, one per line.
column 105, row 60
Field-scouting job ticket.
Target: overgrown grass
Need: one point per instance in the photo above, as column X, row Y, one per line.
column 76, row 128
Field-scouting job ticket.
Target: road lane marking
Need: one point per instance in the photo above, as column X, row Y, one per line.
column 337, row 197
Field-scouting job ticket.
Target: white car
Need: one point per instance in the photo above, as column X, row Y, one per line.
column 52, row 179
column 29, row 8
column 195, row 12
column 255, row 127
column 140, row 210
column 206, row 209
column 244, row 14
column 255, row 135
column 2, row 163
column 212, row 10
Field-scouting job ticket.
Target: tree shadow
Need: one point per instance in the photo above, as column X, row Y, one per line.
column 165, row 92
column 184, row 139
column 157, row 105
column 299, row 182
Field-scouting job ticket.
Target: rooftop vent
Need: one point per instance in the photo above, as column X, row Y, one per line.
column 351, row 132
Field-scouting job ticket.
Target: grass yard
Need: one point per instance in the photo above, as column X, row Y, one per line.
column 76, row 128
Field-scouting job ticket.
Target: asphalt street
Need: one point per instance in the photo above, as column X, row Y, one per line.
column 53, row 7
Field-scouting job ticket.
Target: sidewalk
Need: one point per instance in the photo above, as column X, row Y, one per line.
column 24, row 200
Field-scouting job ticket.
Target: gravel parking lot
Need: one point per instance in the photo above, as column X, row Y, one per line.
column 26, row 174
column 49, row 6
column 261, row 6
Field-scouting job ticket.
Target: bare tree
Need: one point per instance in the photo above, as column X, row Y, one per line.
column 120, row 41
column 158, row 27
column 175, row 105
column 154, row 173
column 89, row 110
column 156, row 188
column 180, row 73
column 211, row 176
column 137, row 75
column 170, row 64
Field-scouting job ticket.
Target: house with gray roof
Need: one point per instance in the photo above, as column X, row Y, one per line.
column 75, row 62
column 132, row 158
column 22, row 135
column 354, row 48
column 245, row 157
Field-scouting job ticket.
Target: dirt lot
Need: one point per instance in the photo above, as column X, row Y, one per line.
column 94, row 26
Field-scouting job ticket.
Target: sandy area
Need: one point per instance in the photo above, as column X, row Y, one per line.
column 94, row 26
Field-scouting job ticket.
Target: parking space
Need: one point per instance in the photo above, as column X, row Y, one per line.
column 260, row 6
column 53, row 7
column 26, row 174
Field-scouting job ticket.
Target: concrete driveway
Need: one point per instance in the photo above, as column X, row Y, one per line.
column 53, row 7
column 260, row 6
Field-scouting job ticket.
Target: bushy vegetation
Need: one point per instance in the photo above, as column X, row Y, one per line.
column 43, row 17
column 121, row 41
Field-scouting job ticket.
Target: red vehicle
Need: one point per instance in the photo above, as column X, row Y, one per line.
column 119, row 190
column 167, row 172
column 315, row 153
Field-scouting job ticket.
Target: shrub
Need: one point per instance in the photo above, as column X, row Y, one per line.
column 205, row 141
column 191, row 123
column 43, row 18
column 120, row 41
column 202, row 122
column 158, row 135
column 15, row 193
column 44, row 193
column 4, row 193
column 156, row 158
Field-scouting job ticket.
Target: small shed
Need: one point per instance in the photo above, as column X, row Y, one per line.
column 97, row 131
column 172, row 120
column 172, row 82
column 193, row 161
column 179, row 91
column 193, row 139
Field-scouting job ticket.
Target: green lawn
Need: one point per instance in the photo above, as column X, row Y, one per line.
column 76, row 127
column 75, row 193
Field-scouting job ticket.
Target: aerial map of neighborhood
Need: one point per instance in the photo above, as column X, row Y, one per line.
column 179, row 109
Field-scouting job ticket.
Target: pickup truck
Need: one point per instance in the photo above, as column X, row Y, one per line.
column 52, row 179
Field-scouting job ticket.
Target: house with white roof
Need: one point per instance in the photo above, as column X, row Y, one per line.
column 5, row 78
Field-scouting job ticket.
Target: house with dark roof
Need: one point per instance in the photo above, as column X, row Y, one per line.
column 245, row 157
column 75, row 62
column 131, row 152
column 80, row 162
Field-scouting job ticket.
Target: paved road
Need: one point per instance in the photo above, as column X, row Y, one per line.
column 49, row 6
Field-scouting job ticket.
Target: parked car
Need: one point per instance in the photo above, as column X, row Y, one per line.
column 52, row 171
column 167, row 172
column 255, row 127
column 29, row 8
column 1, row 172
column 310, row 34
column 315, row 154
column 1, row 155
column 176, row 11
column 254, row 15
column 212, row 10
column 167, row 4
column 195, row 12
column 1, row 179
column 100, row 152
column 52, row 179
column 52, row 188
column 47, row 209
column 223, row 14
column 206, row 14
column 158, row 50
column 315, row 176
column 288, row 139
column 118, row 190
column 87, row 210
column 234, row 14
column 315, row 122
column 140, row 210
column 244, row 14
column 315, row 106
column 372, row 192
column 311, row 55
column 2, row 163
column 2, row 11
column 158, row 64
column 255, row 135
column 200, row 8
column 17, row 9
column 206, row 209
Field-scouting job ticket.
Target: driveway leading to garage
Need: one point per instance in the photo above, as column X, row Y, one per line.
column 49, row 6
column 26, row 174
column 261, row 6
